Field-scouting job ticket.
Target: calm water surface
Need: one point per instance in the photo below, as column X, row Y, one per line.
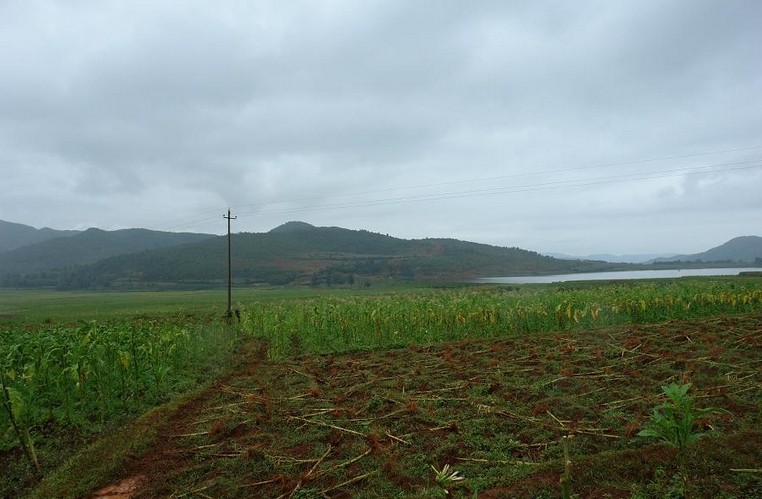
column 609, row 276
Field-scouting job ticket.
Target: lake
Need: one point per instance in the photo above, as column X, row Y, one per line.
column 612, row 276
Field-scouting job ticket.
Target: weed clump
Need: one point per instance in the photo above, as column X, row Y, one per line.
column 675, row 422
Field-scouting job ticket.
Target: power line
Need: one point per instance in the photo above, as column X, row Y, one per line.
column 628, row 177
column 518, row 175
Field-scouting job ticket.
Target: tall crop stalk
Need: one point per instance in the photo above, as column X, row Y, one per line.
column 322, row 325
column 134, row 348
column 77, row 375
column 14, row 409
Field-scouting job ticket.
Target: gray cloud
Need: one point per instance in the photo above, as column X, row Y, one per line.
column 411, row 118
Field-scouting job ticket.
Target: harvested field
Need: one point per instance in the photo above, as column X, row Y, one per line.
column 372, row 424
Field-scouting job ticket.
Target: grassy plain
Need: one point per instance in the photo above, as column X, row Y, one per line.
column 358, row 393
column 31, row 306
column 35, row 306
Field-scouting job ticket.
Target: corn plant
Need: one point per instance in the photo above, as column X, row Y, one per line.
column 332, row 324
column 13, row 404
column 76, row 376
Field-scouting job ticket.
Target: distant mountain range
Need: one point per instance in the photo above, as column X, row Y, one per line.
column 35, row 252
column 606, row 257
column 14, row 236
column 293, row 253
column 299, row 253
column 746, row 249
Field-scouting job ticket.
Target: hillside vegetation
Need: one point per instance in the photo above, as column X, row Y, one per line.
column 49, row 261
column 13, row 235
column 293, row 253
column 298, row 253
column 747, row 249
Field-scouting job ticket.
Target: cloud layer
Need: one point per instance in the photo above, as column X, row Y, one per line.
column 574, row 127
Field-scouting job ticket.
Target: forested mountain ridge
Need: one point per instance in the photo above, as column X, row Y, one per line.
column 64, row 253
column 303, row 254
column 13, row 235
column 746, row 249
column 293, row 253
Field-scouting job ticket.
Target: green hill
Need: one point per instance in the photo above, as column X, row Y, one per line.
column 745, row 249
column 44, row 262
column 293, row 253
column 303, row 254
column 13, row 235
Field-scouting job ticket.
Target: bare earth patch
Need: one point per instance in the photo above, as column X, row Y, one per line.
column 125, row 489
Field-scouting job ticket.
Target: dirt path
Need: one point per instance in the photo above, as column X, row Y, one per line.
column 373, row 424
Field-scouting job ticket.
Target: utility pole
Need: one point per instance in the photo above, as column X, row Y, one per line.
column 230, row 269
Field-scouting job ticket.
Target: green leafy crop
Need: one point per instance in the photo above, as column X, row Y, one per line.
column 675, row 422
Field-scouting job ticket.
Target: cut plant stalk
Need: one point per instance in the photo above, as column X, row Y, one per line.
column 566, row 477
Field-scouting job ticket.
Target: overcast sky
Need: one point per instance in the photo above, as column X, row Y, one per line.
column 557, row 126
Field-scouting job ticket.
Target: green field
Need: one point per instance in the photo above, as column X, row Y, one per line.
column 30, row 306
column 77, row 366
column 34, row 306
